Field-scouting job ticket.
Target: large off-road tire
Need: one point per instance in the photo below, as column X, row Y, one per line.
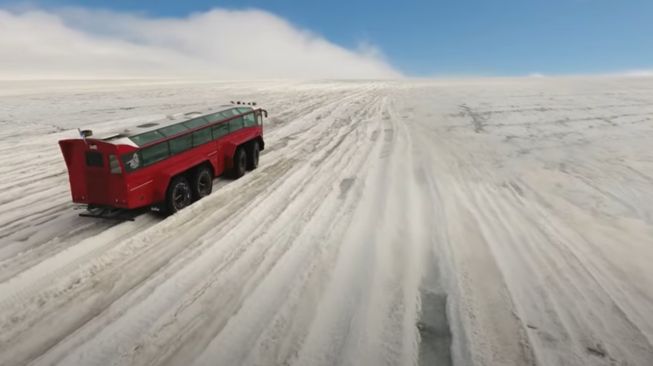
column 240, row 163
column 179, row 195
column 252, row 155
column 202, row 182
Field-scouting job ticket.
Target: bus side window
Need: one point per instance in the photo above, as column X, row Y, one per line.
column 218, row 116
column 154, row 153
column 250, row 120
column 236, row 124
column 197, row 122
column 146, row 138
column 220, row 130
column 172, row 130
column 259, row 118
column 180, row 144
column 114, row 165
column 202, row 136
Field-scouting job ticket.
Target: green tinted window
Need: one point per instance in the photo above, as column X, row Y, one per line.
column 181, row 143
column 201, row 137
column 147, row 137
column 172, row 130
column 249, row 119
column 211, row 118
column 243, row 110
column 220, row 130
column 216, row 117
column 236, row 124
column 197, row 122
column 154, row 153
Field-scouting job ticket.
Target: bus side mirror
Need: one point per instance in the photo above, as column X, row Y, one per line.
column 265, row 113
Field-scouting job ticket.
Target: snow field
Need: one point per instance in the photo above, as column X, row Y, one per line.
column 520, row 207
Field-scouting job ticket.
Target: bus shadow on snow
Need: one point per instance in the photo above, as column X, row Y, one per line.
column 435, row 345
column 118, row 215
column 433, row 325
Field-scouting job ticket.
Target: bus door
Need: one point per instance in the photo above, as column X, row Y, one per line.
column 104, row 177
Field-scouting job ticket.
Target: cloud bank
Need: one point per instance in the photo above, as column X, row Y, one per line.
column 229, row 44
column 638, row 73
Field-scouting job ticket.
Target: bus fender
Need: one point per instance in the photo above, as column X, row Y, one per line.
column 261, row 143
column 230, row 150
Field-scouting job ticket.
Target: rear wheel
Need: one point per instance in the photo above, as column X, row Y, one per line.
column 252, row 156
column 178, row 195
column 240, row 163
column 202, row 182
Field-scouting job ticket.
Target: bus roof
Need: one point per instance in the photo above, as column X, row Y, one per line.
column 153, row 131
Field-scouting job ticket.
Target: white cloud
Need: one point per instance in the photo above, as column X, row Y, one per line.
column 638, row 73
column 83, row 43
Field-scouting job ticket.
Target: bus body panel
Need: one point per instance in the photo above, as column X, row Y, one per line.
column 91, row 181
column 231, row 142
column 73, row 152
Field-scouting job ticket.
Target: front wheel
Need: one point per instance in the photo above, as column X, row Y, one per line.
column 178, row 195
column 252, row 156
column 240, row 163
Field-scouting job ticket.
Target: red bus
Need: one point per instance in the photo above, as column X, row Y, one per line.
column 167, row 164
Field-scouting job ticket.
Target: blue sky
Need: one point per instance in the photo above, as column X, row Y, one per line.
column 456, row 37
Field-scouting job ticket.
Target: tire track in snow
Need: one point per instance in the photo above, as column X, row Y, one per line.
column 369, row 309
column 297, row 262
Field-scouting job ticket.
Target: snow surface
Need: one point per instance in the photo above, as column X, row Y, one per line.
column 473, row 222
